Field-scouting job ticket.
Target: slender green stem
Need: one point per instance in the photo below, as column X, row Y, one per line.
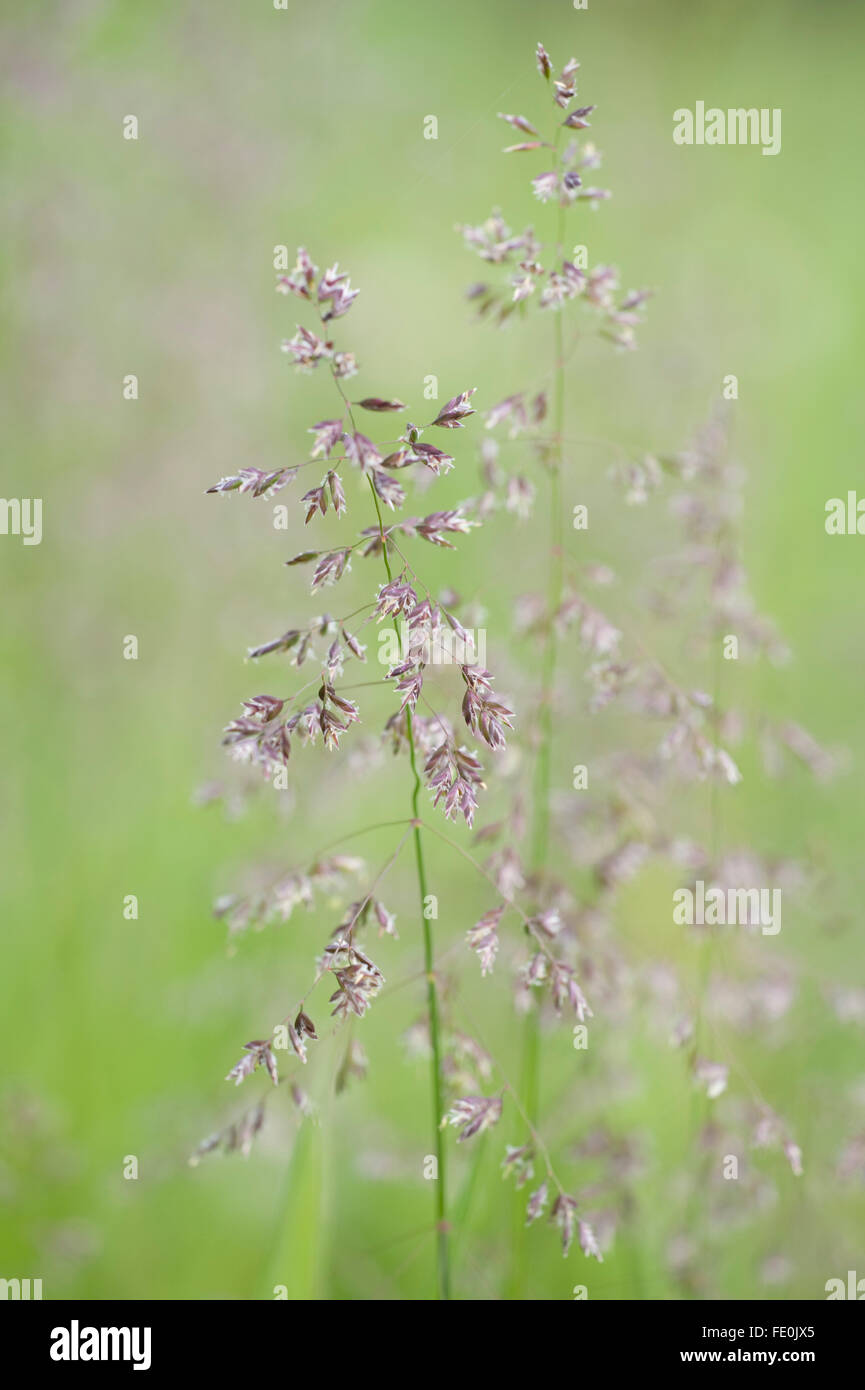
column 435, row 1040
column 442, row 1248
column 442, row 1244
column 442, row 1256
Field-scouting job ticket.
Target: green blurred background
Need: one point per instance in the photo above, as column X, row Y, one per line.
column 260, row 127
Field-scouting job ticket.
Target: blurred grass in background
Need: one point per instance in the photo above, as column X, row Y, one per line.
column 256, row 128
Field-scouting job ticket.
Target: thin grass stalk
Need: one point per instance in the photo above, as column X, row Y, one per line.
column 436, row 1088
